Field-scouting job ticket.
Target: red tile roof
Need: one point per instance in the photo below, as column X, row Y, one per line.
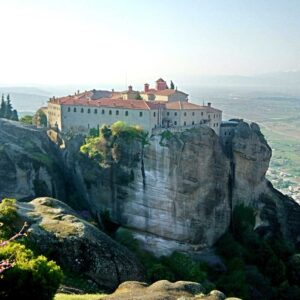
column 106, row 102
column 183, row 105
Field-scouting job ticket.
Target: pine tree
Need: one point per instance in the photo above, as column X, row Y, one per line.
column 2, row 107
column 172, row 86
column 8, row 108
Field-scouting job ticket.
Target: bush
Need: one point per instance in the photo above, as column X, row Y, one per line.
column 31, row 277
column 8, row 215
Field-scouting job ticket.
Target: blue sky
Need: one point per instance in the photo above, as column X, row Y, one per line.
column 96, row 41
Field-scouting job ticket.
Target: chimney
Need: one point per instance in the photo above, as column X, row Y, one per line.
column 146, row 87
column 130, row 88
column 209, row 104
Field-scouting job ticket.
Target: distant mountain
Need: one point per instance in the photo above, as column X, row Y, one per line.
column 282, row 82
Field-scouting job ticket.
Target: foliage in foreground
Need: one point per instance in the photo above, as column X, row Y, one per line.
column 28, row 276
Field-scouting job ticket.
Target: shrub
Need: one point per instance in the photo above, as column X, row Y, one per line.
column 31, row 277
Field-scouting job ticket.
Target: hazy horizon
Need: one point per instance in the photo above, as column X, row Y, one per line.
column 120, row 42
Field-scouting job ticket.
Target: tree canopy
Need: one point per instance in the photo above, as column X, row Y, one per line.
column 6, row 109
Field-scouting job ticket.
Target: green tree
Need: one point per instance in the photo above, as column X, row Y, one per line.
column 2, row 107
column 27, row 120
column 8, row 108
column 172, row 86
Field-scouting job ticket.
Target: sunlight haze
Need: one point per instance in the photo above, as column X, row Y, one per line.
column 93, row 42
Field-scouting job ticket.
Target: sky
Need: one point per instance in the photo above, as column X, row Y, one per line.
column 124, row 42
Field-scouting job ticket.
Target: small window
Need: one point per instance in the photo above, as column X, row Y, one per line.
column 117, row 112
column 193, row 113
column 201, row 113
column 74, row 109
column 175, row 122
column 184, row 114
column 214, row 115
column 141, row 113
column 110, row 112
column 193, row 123
column 103, row 111
column 126, row 113
column 184, row 123
column 82, row 110
column 175, row 113
column 154, row 114
column 168, row 113
column 69, row 109
column 95, row 111
column 89, row 110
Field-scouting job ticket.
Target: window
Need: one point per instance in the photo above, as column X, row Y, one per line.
column 126, row 113
column 82, row 110
column 103, row 111
column 193, row 123
column 74, row 109
column 95, row 111
column 141, row 113
column 69, row 109
column 201, row 113
column 175, row 122
column 117, row 112
column 193, row 113
column 168, row 113
column 89, row 110
column 110, row 112
column 175, row 113
column 154, row 114
column 184, row 114
column 184, row 123
column 214, row 115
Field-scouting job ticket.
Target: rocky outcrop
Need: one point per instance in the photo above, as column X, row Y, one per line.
column 29, row 166
column 76, row 245
column 177, row 193
column 191, row 182
column 164, row 290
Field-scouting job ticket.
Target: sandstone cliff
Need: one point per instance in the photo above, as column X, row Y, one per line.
column 175, row 194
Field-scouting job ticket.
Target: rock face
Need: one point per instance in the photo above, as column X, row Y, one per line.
column 177, row 193
column 28, row 166
column 77, row 245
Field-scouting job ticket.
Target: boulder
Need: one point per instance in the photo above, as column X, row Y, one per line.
column 76, row 245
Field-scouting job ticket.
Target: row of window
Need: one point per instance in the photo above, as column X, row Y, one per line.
column 102, row 111
column 175, row 113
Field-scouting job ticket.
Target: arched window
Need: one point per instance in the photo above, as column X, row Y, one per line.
column 82, row 110
column 89, row 111
column 110, row 112
column 95, row 111
column 126, row 113
column 103, row 111
column 74, row 109
column 141, row 113
column 175, row 122
column 69, row 109
column 117, row 112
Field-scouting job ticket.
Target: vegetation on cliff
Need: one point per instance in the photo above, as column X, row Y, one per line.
column 257, row 267
column 107, row 146
column 30, row 276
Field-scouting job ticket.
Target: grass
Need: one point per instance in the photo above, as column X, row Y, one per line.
column 78, row 297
